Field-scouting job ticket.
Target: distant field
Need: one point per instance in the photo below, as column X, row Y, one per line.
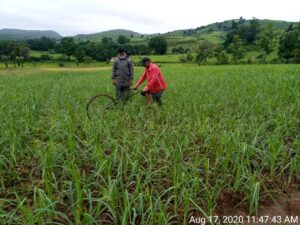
column 191, row 42
column 39, row 53
column 223, row 133
column 168, row 58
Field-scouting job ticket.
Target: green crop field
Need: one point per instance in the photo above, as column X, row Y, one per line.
column 222, row 131
column 40, row 53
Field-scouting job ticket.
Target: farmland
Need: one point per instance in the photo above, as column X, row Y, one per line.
column 224, row 132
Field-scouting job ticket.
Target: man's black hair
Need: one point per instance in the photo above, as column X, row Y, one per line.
column 121, row 50
column 145, row 60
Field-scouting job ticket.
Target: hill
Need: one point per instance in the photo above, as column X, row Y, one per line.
column 226, row 26
column 214, row 33
column 114, row 34
column 187, row 38
column 18, row 34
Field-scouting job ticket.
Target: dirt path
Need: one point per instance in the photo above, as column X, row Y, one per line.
column 74, row 69
column 40, row 70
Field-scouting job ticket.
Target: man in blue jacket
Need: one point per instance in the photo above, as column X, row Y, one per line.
column 122, row 75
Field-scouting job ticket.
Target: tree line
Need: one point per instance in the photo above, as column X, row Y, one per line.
column 243, row 38
column 87, row 51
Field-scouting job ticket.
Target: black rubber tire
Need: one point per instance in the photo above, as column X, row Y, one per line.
column 94, row 98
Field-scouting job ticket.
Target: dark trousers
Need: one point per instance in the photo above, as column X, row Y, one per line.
column 122, row 92
column 156, row 97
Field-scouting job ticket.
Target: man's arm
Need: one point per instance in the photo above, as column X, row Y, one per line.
column 114, row 70
column 131, row 70
column 141, row 80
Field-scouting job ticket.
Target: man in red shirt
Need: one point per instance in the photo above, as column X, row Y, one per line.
column 156, row 82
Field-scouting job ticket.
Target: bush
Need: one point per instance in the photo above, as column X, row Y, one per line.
column 45, row 57
column 251, row 60
column 259, row 59
column 186, row 58
column 189, row 57
column 182, row 59
column 179, row 50
column 61, row 64
column 87, row 60
column 222, row 58
column 278, row 61
column 51, row 51
column 62, row 58
column 34, row 59
column 294, row 60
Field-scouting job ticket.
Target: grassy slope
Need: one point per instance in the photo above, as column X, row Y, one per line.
column 211, row 33
column 214, row 33
column 114, row 34
column 18, row 34
column 175, row 39
column 227, row 128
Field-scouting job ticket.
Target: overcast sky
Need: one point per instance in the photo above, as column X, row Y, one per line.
column 69, row 17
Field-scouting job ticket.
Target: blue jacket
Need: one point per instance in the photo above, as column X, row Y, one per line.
column 123, row 71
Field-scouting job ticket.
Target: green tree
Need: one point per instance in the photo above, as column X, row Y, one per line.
column 221, row 55
column 6, row 59
column 253, row 31
column 268, row 40
column 234, row 25
column 108, row 49
column 186, row 58
column 204, row 52
column 15, row 52
column 79, row 54
column 23, row 52
column 41, row 44
column 87, row 60
column 158, row 45
column 67, row 46
column 236, row 48
column 187, row 50
column 123, row 40
column 289, row 44
column 179, row 50
column 142, row 49
column 248, row 32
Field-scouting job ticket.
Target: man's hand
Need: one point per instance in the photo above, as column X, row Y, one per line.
column 135, row 87
column 114, row 82
column 145, row 89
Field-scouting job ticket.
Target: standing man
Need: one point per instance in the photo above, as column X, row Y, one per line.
column 122, row 75
column 156, row 82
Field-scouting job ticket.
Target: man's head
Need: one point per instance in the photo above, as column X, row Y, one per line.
column 146, row 62
column 122, row 53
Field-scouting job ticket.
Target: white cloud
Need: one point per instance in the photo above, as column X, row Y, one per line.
column 153, row 16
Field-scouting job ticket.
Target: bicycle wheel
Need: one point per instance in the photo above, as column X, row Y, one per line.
column 98, row 105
